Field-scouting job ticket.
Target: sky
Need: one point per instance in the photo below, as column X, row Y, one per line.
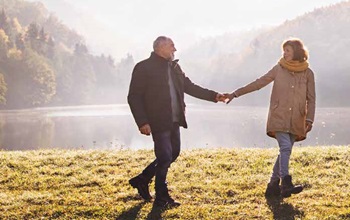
column 136, row 23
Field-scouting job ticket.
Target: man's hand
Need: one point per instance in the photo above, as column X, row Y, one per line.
column 308, row 126
column 146, row 129
column 220, row 97
column 229, row 97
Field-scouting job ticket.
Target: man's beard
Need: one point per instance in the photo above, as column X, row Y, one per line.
column 171, row 57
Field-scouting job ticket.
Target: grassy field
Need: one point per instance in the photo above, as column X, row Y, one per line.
column 210, row 184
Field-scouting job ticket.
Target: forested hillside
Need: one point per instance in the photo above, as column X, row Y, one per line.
column 239, row 59
column 45, row 63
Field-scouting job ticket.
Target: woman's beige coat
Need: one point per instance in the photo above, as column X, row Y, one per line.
column 292, row 100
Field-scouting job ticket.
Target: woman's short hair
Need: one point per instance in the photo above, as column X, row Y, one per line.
column 300, row 52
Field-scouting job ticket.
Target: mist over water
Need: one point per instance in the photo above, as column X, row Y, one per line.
column 113, row 127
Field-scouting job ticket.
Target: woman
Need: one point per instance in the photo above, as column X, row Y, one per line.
column 291, row 112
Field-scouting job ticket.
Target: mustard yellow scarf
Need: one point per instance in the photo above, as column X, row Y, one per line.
column 294, row 65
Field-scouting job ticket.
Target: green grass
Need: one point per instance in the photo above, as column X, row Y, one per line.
column 210, row 184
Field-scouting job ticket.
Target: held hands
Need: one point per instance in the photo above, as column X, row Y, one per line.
column 226, row 97
column 145, row 129
column 220, row 97
column 229, row 97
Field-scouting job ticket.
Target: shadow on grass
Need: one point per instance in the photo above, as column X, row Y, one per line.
column 345, row 216
column 282, row 210
column 131, row 213
column 156, row 213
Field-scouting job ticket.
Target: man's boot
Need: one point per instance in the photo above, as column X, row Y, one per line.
column 141, row 183
column 163, row 199
column 273, row 189
column 288, row 188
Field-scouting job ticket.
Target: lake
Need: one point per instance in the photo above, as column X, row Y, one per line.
column 113, row 127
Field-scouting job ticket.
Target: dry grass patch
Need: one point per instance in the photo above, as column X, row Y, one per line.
column 210, row 184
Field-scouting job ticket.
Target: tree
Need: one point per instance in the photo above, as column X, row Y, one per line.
column 40, row 85
column 43, row 79
column 19, row 42
column 41, row 46
column 16, row 26
column 33, row 31
column 3, row 89
column 84, row 80
column 42, row 35
column 4, row 39
column 124, row 69
column 75, row 80
column 61, row 33
column 64, row 79
column 36, row 38
column 111, row 61
column 106, row 80
column 26, row 11
column 14, row 54
column 50, row 48
column 80, row 49
column 4, row 22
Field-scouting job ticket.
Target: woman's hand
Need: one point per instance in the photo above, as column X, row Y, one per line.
column 229, row 97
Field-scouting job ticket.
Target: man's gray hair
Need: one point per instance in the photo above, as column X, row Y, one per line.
column 159, row 41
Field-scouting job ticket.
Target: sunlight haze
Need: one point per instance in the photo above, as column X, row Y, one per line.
column 136, row 23
column 129, row 27
column 66, row 67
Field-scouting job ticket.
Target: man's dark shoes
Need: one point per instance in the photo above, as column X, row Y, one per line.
column 288, row 188
column 273, row 189
column 165, row 201
column 141, row 184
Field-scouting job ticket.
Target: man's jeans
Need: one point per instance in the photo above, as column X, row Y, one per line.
column 167, row 149
column 281, row 167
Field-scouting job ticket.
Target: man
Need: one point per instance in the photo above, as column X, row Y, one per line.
column 156, row 100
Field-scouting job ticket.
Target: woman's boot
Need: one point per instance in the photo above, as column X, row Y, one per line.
column 288, row 188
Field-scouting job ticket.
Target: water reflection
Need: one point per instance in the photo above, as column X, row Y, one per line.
column 112, row 127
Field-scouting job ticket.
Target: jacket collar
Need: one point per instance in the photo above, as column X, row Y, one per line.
column 158, row 58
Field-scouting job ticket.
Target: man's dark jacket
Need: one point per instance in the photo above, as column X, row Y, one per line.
column 149, row 93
